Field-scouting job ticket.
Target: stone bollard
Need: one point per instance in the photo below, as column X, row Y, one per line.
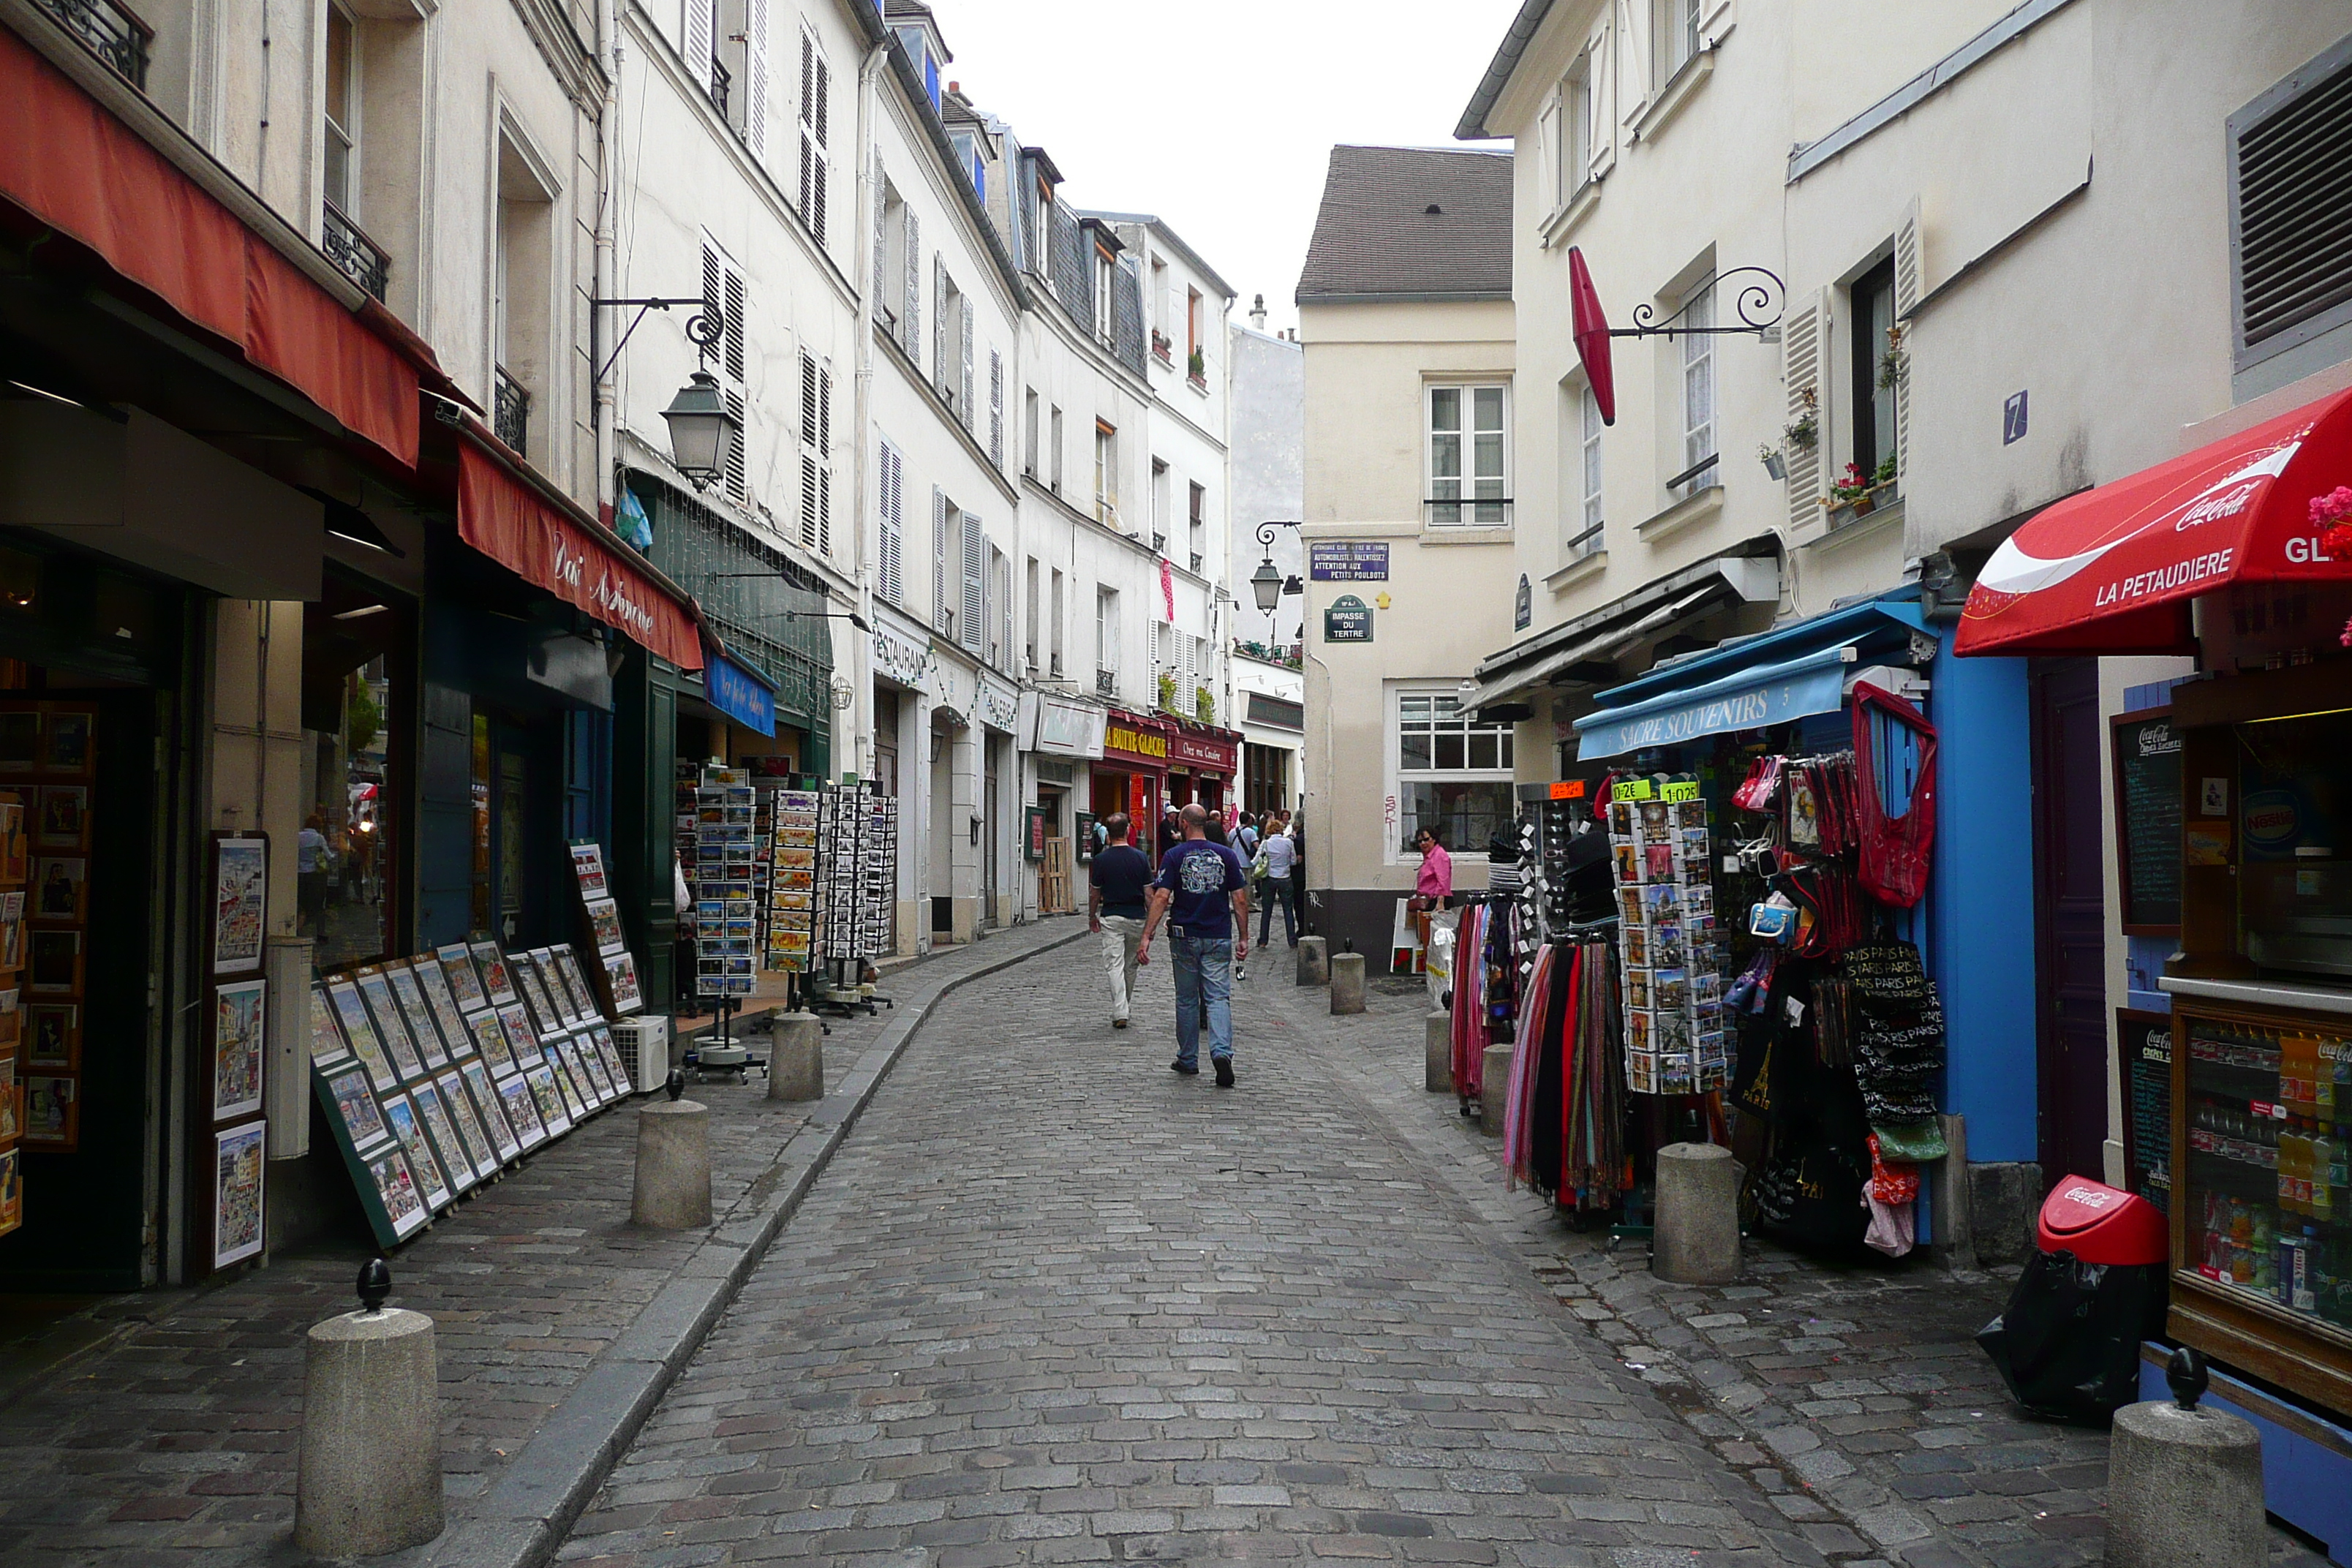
column 673, row 1190
column 1697, row 1235
column 369, row 1477
column 1314, row 961
column 2184, row 1483
column 1347, row 983
column 1494, row 1087
column 1437, row 1047
column 796, row 1057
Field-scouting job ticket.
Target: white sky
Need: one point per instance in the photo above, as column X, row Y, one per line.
column 1219, row 115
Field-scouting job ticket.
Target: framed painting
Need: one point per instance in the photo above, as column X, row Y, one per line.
column 52, row 1111
column 53, row 1035
column 240, row 901
column 620, row 975
column 385, row 1010
column 12, row 1107
column 493, row 1114
column 236, row 1048
column 410, row 995
column 54, row 967
column 458, row 970
column 359, row 1029
column 522, row 1107
column 65, row 742
column 328, row 1048
column 497, row 984
column 456, row 1164
column 408, row 1130
column 490, row 1040
column 442, row 1000
column 61, row 888
column 588, row 867
column 237, row 1193
column 400, row 1206
column 12, row 1191
column 355, row 1108
column 459, row 1106
column 548, row 1098
column 63, row 822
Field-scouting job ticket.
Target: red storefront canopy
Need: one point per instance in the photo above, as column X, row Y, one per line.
column 515, row 526
column 73, row 166
column 2112, row 570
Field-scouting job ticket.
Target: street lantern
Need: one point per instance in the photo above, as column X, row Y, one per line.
column 702, row 430
column 1266, row 584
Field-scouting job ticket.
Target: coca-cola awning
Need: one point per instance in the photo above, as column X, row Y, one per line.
column 2113, row 570
column 511, row 524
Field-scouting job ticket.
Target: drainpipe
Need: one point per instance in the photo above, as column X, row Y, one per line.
column 608, row 199
column 864, row 461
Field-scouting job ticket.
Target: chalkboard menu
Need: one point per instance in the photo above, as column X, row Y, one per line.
column 2147, row 821
column 2144, row 1042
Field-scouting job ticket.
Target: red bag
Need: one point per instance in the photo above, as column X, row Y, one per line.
column 1756, row 790
column 1894, row 851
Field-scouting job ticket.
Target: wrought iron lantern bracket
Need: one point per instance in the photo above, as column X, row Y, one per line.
column 704, row 329
column 1761, row 303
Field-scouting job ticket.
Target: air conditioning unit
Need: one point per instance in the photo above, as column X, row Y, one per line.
column 645, row 1050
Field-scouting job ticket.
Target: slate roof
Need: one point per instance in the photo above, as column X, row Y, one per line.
column 1377, row 237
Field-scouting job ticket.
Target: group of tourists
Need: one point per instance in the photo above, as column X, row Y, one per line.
column 1199, row 886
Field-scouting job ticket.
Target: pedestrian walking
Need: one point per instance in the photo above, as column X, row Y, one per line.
column 1171, row 834
column 1115, row 905
column 1432, row 885
column 1204, row 898
column 1279, row 853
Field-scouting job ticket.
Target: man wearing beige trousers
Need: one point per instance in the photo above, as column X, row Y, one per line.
column 1114, row 908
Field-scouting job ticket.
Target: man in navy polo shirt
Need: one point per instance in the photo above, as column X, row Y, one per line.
column 1205, row 897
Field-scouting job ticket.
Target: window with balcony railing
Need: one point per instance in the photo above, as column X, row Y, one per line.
column 111, row 32
column 510, row 413
column 1106, row 683
column 357, row 257
column 1196, row 564
column 721, row 82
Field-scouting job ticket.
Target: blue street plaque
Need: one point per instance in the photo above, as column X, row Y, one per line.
column 1347, row 561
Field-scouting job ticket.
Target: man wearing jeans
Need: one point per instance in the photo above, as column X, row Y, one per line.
column 1281, row 861
column 1202, row 895
column 1121, row 879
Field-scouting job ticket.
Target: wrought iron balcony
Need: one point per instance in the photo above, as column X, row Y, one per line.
column 1196, row 564
column 1106, row 683
column 356, row 255
column 108, row 31
column 510, row 413
column 721, row 83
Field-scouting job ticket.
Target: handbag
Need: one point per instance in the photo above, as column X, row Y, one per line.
column 1895, row 850
column 1913, row 1143
column 1763, row 780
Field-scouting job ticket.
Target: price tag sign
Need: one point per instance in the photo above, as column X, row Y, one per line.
column 1673, row 794
column 1632, row 789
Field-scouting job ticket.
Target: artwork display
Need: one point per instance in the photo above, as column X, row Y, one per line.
column 12, row 1191
column 357, row 1029
column 236, row 1194
column 61, row 888
column 458, row 970
column 588, row 869
column 237, row 1043
column 65, row 743
column 354, row 1104
column 417, row 1135
column 604, row 922
column 240, row 901
column 620, row 975
column 54, row 963
column 52, row 1110
column 12, row 1112
column 53, row 1035
column 64, row 822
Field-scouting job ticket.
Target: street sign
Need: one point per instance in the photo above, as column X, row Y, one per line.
column 1348, row 619
column 1347, row 560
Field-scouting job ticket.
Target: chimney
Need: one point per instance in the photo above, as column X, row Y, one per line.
column 1257, row 313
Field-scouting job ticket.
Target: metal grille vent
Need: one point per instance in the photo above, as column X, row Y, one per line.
column 2293, row 197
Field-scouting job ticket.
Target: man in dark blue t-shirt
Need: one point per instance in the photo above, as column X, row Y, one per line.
column 1122, row 882
column 1205, row 897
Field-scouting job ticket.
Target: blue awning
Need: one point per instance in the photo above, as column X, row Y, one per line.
column 1770, row 678
column 739, row 694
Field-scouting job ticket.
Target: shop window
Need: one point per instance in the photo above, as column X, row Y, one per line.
column 348, row 851
column 1452, row 772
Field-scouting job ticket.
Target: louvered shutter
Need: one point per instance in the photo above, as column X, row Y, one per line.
column 941, row 596
column 755, row 108
column 701, row 22
column 910, row 318
column 810, row 474
column 824, row 510
column 1910, row 274
column 975, row 610
column 824, row 460
column 939, row 323
column 963, row 402
column 1600, row 87
column 733, row 296
column 881, row 234
column 997, row 409
column 890, row 492
column 815, row 89
column 1801, row 331
column 824, row 122
column 737, row 489
column 811, row 465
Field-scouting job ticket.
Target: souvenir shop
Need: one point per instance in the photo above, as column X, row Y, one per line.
column 1719, row 930
column 1133, row 776
column 2234, row 825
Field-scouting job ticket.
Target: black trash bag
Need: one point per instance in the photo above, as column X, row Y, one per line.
column 2068, row 1343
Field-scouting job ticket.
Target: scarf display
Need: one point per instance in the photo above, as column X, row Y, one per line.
column 1564, row 1125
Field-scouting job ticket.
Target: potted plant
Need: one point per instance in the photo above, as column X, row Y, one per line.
column 1893, row 361
column 1774, row 464
column 1881, row 481
column 1204, row 705
column 1197, row 366
column 1806, row 433
column 1168, row 691
column 1851, row 489
column 1161, row 344
column 2331, row 514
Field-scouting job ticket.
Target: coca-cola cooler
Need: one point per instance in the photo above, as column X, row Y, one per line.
column 2068, row 1343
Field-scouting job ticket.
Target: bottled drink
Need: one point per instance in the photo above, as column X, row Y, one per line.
column 2320, row 1155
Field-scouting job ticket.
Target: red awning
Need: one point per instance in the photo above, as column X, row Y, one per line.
column 74, row 167
column 512, row 524
column 2112, row 570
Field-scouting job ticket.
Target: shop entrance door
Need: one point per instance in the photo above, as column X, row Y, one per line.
column 2069, row 919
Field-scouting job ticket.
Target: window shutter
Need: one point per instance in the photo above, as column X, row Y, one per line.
column 975, row 608
column 824, row 510
column 1553, row 149
column 734, row 340
column 910, row 319
column 817, row 86
column 963, row 402
column 997, row 409
column 1910, row 274
column 939, row 323
column 700, row 24
column 824, row 149
column 736, row 487
column 939, row 595
column 881, row 234
column 755, row 107
column 808, row 398
column 1800, row 359
column 1601, row 79
column 808, row 502
column 886, row 494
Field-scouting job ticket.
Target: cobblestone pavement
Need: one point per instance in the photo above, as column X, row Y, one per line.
column 1854, row 1397
column 177, row 1436
column 1051, row 1302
